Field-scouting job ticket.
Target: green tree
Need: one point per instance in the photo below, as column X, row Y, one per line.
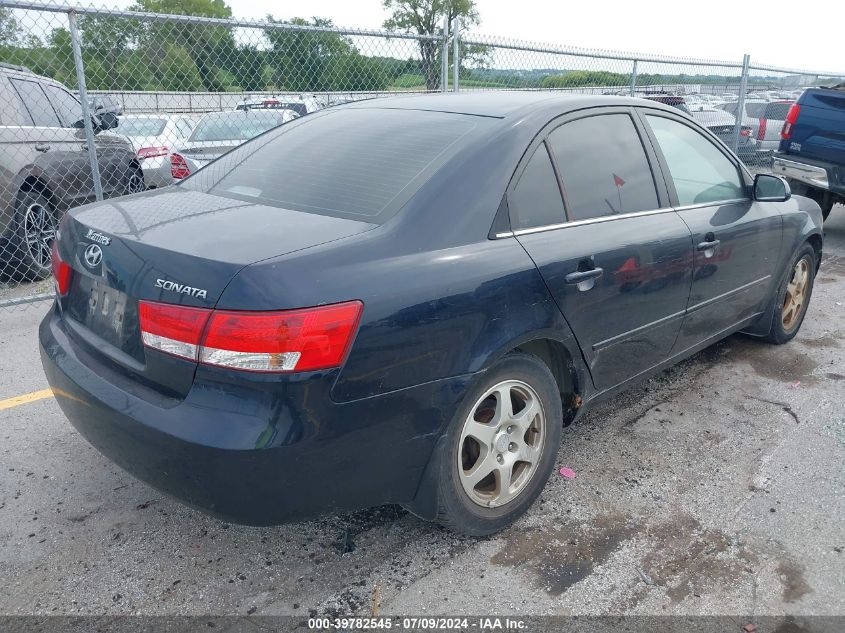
column 105, row 47
column 208, row 46
column 10, row 30
column 305, row 60
column 425, row 17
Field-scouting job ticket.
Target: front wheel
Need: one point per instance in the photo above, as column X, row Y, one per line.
column 500, row 447
column 793, row 296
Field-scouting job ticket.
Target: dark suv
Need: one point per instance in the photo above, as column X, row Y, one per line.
column 45, row 168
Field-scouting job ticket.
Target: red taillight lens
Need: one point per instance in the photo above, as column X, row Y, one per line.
column 791, row 117
column 62, row 272
column 745, row 131
column 152, row 152
column 175, row 330
column 179, row 166
column 761, row 131
column 285, row 341
column 292, row 340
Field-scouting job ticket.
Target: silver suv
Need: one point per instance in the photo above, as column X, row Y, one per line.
column 45, row 167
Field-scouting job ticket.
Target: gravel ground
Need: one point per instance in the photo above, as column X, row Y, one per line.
column 716, row 487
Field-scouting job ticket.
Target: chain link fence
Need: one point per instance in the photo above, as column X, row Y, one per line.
column 98, row 103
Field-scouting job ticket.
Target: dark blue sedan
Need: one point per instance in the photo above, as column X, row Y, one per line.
column 406, row 300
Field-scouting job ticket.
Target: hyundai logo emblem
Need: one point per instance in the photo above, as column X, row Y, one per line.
column 93, row 255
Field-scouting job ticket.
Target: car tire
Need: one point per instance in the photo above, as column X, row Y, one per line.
column 793, row 296
column 483, row 436
column 35, row 229
column 135, row 182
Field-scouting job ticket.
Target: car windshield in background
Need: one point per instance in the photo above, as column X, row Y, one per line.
column 141, row 127
column 235, row 126
column 353, row 163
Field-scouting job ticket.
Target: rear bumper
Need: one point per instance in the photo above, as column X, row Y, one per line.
column 817, row 174
column 253, row 451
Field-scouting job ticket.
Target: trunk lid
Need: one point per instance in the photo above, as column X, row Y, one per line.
column 172, row 246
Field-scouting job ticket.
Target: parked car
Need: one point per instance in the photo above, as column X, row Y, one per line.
column 45, row 167
column 765, row 118
column 302, row 105
column 101, row 104
column 218, row 132
column 719, row 123
column 405, row 300
column 153, row 136
column 812, row 147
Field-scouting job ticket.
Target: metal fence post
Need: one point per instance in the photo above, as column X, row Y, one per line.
column 83, row 97
column 444, row 55
column 740, row 105
column 634, row 78
column 456, row 54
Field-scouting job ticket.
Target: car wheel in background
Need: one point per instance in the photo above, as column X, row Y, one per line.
column 35, row 231
column 793, row 296
column 135, row 182
column 500, row 447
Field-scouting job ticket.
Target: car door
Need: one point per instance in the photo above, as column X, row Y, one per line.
column 615, row 256
column 737, row 240
column 111, row 148
column 57, row 151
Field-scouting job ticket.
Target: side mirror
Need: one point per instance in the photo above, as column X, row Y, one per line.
column 108, row 121
column 770, row 188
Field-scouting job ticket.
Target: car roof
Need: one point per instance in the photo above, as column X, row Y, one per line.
column 497, row 104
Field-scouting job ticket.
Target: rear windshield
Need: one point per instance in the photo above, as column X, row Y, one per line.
column 235, row 126
column 353, row 163
column 777, row 110
column 141, row 127
column 755, row 110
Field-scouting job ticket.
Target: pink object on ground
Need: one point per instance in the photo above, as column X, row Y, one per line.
column 568, row 473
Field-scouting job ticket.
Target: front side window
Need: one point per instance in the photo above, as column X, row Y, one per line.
column 36, row 103
column 536, row 200
column 603, row 166
column 700, row 171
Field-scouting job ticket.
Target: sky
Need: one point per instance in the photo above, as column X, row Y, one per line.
column 776, row 34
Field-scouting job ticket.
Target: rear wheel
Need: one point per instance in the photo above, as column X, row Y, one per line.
column 501, row 447
column 793, row 296
column 36, row 230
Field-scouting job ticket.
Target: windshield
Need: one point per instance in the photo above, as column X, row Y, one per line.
column 353, row 163
column 141, row 127
column 235, row 126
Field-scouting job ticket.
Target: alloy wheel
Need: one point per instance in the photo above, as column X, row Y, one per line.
column 39, row 231
column 796, row 294
column 501, row 443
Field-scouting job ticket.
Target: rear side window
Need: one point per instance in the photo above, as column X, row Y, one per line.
column 700, row 171
column 66, row 105
column 36, row 103
column 353, row 163
column 13, row 111
column 536, row 200
column 603, row 166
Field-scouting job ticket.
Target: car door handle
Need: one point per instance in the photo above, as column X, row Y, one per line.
column 708, row 245
column 42, row 147
column 583, row 275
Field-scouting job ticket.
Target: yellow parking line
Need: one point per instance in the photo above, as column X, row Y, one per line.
column 26, row 398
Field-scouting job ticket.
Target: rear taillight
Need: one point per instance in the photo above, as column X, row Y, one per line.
column 761, row 131
column 284, row 341
column 179, row 166
column 171, row 329
column 62, row 272
column 791, row 117
column 152, row 152
column 745, row 131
